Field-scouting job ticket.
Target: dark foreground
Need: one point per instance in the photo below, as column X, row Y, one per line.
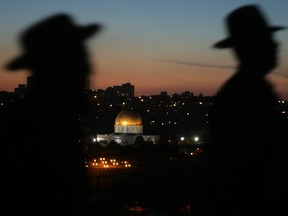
column 145, row 191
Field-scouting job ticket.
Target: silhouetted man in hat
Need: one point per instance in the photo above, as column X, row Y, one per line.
column 42, row 133
column 243, row 166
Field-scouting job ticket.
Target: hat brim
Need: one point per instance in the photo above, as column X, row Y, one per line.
column 20, row 62
column 87, row 31
column 228, row 42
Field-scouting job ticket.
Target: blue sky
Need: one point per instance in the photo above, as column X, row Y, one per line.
column 157, row 45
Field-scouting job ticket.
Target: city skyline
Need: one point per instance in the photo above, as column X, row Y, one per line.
column 156, row 45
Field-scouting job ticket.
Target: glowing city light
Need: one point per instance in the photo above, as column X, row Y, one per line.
column 106, row 163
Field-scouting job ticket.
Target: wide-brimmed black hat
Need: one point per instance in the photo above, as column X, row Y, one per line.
column 245, row 24
column 46, row 34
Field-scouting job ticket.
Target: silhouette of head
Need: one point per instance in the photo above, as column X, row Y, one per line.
column 251, row 37
column 55, row 52
column 50, row 40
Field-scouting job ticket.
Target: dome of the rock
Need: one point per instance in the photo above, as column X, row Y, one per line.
column 128, row 117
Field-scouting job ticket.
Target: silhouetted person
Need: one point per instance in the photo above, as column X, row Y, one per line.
column 243, row 166
column 43, row 150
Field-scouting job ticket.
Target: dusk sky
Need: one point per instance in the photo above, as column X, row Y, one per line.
column 156, row 45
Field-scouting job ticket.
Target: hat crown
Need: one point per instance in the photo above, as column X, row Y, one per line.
column 56, row 29
column 53, row 29
column 44, row 37
column 247, row 20
column 246, row 24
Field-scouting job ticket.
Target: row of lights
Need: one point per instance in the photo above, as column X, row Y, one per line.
column 103, row 162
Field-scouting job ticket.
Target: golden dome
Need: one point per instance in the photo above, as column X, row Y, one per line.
column 128, row 117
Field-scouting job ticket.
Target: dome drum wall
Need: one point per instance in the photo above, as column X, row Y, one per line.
column 134, row 129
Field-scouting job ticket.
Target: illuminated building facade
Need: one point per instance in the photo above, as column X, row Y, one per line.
column 127, row 128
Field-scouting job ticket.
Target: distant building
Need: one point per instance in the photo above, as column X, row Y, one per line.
column 125, row 90
column 127, row 128
column 21, row 89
